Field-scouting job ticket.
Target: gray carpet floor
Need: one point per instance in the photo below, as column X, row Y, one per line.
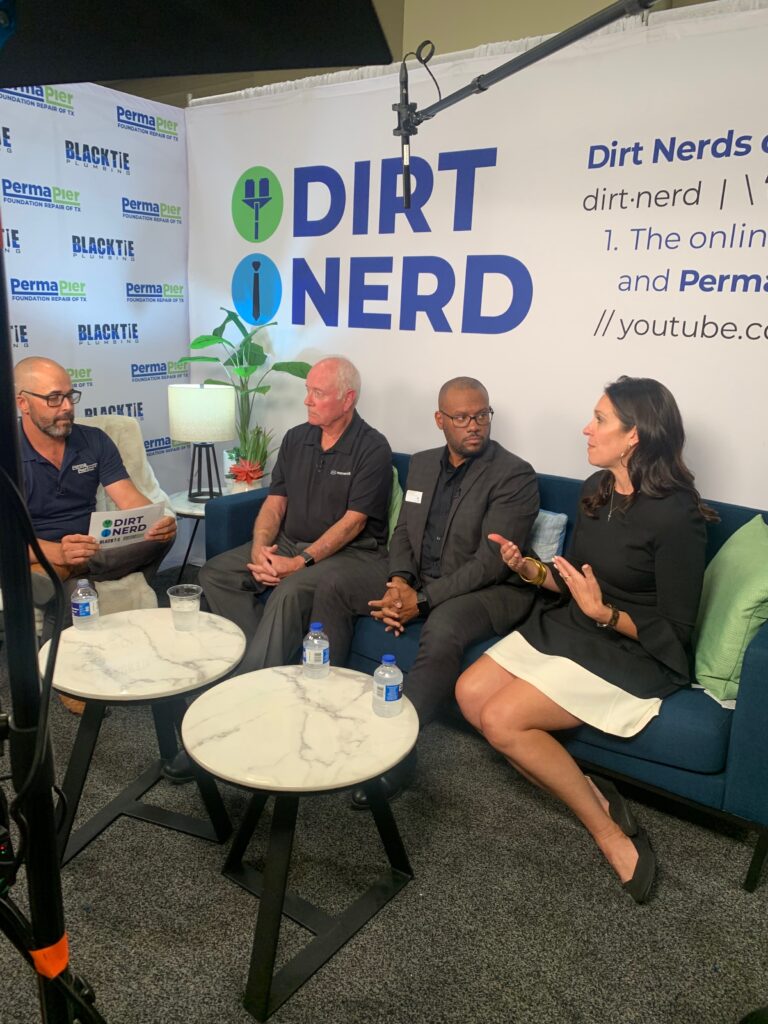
column 512, row 915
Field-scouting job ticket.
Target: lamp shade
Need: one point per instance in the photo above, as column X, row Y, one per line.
column 201, row 413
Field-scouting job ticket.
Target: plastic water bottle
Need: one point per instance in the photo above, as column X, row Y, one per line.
column 316, row 656
column 387, row 688
column 85, row 606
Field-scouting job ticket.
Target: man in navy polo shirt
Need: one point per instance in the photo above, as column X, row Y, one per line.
column 63, row 465
column 327, row 507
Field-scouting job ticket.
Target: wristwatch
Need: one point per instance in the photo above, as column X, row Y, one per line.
column 422, row 602
column 611, row 623
column 308, row 559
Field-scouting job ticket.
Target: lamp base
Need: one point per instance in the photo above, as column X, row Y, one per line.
column 201, row 486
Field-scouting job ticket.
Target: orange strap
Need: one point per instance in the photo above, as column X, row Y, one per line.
column 52, row 960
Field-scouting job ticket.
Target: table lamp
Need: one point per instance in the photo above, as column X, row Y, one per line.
column 202, row 415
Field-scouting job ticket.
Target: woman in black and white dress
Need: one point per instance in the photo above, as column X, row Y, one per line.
column 612, row 639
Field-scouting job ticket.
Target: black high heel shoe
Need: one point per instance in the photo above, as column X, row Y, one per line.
column 640, row 884
column 618, row 808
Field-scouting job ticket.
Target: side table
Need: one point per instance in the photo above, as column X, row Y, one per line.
column 137, row 657
column 187, row 509
column 285, row 736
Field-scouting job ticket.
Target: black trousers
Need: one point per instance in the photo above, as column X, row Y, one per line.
column 446, row 633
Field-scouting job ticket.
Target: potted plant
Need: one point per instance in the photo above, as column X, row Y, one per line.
column 249, row 465
column 244, row 360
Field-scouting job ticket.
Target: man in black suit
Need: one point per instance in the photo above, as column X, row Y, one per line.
column 442, row 567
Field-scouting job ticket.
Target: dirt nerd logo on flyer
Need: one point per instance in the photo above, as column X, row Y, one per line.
column 45, row 97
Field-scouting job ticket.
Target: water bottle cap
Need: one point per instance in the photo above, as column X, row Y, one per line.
column 316, row 627
column 83, row 583
column 388, row 659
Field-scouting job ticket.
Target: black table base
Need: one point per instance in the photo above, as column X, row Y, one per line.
column 266, row 991
column 167, row 714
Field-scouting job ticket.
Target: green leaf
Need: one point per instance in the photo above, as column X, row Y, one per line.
column 230, row 318
column 262, row 389
column 205, row 341
column 297, row 369
column 199, row 359
column 253, row 353
column 224, row 383
column 261, row 327
column 244, row 371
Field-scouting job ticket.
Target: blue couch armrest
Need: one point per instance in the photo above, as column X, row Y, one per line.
column 746, row 789
column 229, row 520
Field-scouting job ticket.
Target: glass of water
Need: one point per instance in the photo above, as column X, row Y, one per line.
column 185, row 606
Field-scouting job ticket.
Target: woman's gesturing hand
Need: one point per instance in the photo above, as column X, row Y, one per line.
column 584, row 588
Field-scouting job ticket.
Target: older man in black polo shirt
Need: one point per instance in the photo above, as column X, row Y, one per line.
column 326, row 508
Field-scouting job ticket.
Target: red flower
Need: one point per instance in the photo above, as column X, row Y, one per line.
column 246, row 472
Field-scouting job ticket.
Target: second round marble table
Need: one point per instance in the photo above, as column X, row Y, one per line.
column 138, row 657
column 283, row 735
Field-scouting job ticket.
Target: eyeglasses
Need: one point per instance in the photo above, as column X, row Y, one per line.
column 56, row 398
column 482, row 419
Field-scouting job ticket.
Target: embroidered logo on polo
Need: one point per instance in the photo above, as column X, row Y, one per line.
column 84, row 467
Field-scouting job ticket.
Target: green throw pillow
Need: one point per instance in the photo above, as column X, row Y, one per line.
column 734, row 604
column 395, row 501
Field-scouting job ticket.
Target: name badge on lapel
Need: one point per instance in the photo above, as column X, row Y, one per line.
column 414, row 496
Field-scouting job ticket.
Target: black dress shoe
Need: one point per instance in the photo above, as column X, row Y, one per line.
column 618, row 808
column 640, row 884
column 179, row 770
column 393, row 782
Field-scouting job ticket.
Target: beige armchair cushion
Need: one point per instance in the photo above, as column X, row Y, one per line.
column 126, row 433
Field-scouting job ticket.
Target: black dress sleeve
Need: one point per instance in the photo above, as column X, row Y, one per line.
column 665, row 628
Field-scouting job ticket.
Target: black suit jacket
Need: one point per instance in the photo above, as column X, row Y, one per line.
column 498, row 494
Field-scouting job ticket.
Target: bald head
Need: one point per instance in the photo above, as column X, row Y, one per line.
column 33, row 373
column 36, row 376
column 461, row 384
column 343, row 371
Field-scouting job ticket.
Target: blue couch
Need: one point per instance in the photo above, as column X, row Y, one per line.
column 695, row 751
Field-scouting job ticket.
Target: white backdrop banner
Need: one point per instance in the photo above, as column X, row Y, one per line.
column 94, row 224
column 603, row 212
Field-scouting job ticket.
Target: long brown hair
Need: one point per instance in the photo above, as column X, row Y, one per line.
column 655, row 466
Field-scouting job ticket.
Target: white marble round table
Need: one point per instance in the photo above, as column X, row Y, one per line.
column 138, row 655
column 286, row 736
column 275, row 730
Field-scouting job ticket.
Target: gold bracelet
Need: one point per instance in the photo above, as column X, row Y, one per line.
column 540, row 576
